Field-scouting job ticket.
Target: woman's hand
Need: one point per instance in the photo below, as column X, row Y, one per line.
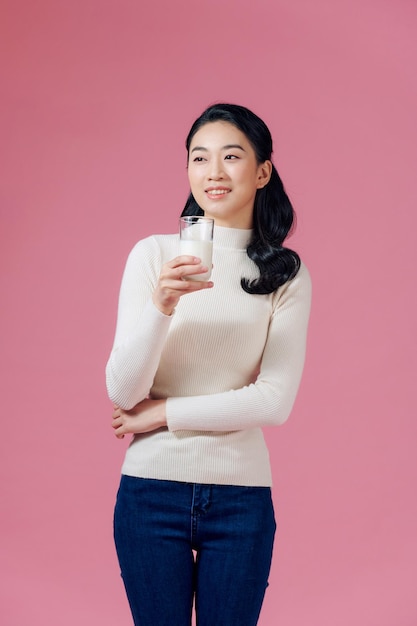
column 145, row 417
column 172, row 285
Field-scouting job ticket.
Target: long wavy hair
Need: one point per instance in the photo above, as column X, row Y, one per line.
column 273, row 213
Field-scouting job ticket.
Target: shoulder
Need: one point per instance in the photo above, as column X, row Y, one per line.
column 302, row 278
column 301, row 281
column 298, row 288
column 153, row 248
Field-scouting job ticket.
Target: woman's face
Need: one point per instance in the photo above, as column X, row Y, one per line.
column 224, row 174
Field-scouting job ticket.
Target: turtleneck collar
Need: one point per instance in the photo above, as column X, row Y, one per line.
column 234, row 238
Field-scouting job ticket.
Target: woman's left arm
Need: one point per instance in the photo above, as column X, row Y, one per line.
column 269, row 400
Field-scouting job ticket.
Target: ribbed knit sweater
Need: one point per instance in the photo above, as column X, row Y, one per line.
column 228, row 363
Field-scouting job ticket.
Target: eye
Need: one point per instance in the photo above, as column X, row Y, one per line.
column 229, row 157
column 198, row 159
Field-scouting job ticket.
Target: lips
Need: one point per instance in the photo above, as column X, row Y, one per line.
column 217, row 192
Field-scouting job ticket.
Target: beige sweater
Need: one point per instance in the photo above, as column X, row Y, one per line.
column 228, row 363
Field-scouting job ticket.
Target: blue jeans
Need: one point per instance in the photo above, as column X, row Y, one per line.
column 176, row 541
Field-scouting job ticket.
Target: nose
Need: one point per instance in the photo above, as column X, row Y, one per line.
column 216, row 171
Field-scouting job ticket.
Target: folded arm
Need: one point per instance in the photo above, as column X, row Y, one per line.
column 269, row 400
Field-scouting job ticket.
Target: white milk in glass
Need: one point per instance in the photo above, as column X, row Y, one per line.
column 196, row 239
column 201, row 249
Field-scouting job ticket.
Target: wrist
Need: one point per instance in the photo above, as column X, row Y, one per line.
column 163, row 308
column 161, row 413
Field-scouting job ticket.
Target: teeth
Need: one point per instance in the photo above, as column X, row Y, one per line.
column 218, row 192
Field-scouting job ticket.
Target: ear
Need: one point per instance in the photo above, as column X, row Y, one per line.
column 264, row 174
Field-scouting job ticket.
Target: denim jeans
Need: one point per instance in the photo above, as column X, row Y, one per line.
column 179, row 541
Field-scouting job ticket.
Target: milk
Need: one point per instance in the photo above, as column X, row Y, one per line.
column 201, row 249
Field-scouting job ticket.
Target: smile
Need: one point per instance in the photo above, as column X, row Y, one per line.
column 217, row 192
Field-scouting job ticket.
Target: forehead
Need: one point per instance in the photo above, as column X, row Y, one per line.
column 219, row 134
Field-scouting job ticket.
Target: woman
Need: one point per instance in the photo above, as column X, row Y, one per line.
column 196, row 370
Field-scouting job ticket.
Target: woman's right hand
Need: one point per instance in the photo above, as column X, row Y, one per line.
column 172, row 283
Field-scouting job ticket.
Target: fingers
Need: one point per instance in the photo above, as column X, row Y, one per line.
column 118, row 423
column 182, row 266
column 183, row 259
column 179, row 287
column 173, row 283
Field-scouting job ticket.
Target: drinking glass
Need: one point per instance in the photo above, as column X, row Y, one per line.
column 196, row 239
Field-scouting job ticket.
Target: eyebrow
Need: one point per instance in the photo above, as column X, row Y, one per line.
column 229, row 146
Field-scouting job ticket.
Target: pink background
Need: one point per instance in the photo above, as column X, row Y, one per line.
column 97, row 97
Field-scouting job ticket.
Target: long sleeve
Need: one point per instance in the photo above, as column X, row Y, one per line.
column 227, row 363
column 269, row 400
column 141, row 329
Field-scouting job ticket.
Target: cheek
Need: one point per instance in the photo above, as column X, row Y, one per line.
column 194, row 181
column 191, row 173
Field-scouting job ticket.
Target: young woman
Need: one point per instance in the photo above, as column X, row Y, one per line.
column 196, row 370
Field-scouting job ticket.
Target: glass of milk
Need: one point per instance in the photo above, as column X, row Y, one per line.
column 196, row 239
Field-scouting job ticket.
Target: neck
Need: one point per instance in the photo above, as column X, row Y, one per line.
column 228, row 237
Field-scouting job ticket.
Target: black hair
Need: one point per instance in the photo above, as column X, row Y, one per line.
column 273, row 213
